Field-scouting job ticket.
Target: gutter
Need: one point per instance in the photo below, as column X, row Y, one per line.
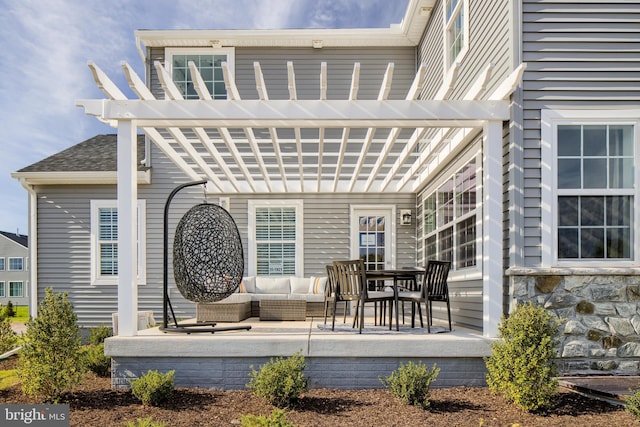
column 33, row 247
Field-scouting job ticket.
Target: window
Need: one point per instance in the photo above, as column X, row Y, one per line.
column 456, row 28
column 16, row 264
column 16, row 289
column 209, row 64
column 3, row 292
column 2, row 267
column 449, row 216
column 276, row 238
column 592, row 189
column 104, row 242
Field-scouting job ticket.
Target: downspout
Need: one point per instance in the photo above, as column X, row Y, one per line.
column 33, row 247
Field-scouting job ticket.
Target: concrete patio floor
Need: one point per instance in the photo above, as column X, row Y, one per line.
column 339, row 359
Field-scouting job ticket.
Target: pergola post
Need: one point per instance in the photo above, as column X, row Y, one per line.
column 492, row 244
column 127, row 229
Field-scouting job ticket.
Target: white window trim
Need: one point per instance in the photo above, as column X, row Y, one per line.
column 96, row 278
column 473, row 151
column 448, row 62
column 251, row 236
column 8, row 291
column 9, row 263
column 229, row 51
column 550, row 119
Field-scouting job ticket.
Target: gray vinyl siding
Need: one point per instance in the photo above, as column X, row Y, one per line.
column 64, row 229
column 490, row 43
column 306, row 62
column 579, row 55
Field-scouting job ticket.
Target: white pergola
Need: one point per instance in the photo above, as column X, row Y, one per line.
column 306, row 146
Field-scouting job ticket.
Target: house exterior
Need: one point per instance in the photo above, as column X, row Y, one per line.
column 14, row 269
column 499, row 135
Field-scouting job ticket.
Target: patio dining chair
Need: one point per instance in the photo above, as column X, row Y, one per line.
column 352, row 285
column 434, row 288
column 330, row 294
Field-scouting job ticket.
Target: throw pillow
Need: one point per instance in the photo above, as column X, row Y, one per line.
column 317, row 285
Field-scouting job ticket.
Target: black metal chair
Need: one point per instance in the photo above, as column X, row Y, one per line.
column 352, row 285
column 434, row 288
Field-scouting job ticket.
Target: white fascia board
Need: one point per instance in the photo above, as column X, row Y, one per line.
column 301, row 113
column 70, row 178
column 407, row 33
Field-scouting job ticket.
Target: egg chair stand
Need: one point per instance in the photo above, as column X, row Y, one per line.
column 207, row 259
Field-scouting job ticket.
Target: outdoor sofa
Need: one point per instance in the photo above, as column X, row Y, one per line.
column 289, row 298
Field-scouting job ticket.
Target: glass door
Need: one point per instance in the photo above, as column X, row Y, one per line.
column 371, row 237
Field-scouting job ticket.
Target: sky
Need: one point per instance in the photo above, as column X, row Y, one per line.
column 46, row 44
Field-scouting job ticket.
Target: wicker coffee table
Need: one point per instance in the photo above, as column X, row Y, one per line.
column 288, row 309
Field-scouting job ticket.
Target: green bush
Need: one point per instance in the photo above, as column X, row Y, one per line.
column 95, row 359
column 276, row 419
column 153, row 388
column 9, row 311
column 8, row 338
column 49, row 360
column 632, row 405
column 411, row 383
column 280, row 380
column 144, row 422
column 98, row 334
column 522, row 366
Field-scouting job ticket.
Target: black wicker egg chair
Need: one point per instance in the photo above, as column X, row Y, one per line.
column 208, row 261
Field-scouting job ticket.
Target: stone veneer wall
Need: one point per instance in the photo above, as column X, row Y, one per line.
column 601, row 309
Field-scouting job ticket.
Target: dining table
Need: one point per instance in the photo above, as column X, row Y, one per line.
column 395, row 275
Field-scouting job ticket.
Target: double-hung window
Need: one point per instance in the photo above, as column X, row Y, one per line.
column 16, row 264
column 16, row 289
column 592, row 183
column 2, row 266
column 104, row 242
column 3, row 292
column 209, row 64
column 275, row 230
column 456, row 30
column 450, row 215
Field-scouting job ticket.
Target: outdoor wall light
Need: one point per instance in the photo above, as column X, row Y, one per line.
column 405, row 217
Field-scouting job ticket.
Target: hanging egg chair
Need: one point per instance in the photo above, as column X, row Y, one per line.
column 208, row 261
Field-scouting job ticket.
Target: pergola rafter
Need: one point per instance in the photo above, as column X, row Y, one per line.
column 264, row 145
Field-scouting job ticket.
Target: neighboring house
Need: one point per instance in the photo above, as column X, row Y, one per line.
column 14, row 269
column 508, row 130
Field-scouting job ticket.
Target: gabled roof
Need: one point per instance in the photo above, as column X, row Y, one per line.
column 91, row 161
column 20, row 239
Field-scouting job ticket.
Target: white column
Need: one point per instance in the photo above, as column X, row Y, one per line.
column 492, row 244
column 127, row 229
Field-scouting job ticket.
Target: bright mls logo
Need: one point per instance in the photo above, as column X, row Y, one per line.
column 34, row 415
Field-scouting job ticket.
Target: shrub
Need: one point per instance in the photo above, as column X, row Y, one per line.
column 276, row 419
column 153, row 388
column 632, row 405
column 95, row 359
column 521, row 366
column 144, row 422
column 9, row 311
column 411, row 383
column 49, row 361
column 280, row 380
column 8, row 338
column 98, row 334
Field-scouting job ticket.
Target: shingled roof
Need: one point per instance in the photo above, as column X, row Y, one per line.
column 20, row 239
column 95, row 154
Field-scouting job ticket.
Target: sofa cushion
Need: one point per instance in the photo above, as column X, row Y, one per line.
column 272, row 285
column 248, row 285
column 299, row 285
column 317, row 285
